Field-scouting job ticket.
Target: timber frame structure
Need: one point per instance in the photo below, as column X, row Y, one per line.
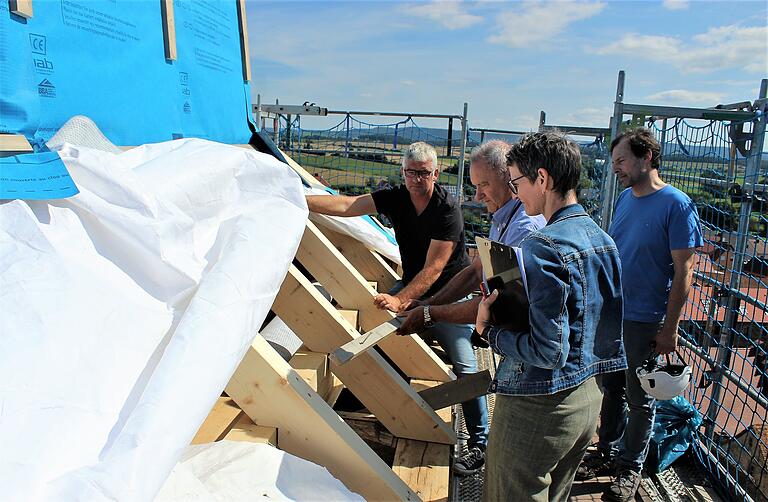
column 289, row 404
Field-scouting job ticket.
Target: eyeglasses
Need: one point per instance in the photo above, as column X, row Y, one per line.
column 415, row 173
column 512, row 185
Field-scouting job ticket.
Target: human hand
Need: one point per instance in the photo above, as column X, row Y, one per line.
column 666, row 339
column 388, row 302
column 412, row 304
column 484, row 311
column 413, row 322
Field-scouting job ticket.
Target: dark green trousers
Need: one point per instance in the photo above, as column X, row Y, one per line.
column 537, row 442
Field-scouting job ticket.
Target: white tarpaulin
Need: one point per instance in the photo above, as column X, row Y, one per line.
column 230, row 471
column 125, row 310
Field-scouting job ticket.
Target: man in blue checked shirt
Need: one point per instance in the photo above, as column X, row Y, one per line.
column 490, row 176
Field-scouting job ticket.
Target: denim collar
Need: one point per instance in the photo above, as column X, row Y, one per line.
column 567, row 212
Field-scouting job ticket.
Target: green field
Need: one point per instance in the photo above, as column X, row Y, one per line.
column 340, row 171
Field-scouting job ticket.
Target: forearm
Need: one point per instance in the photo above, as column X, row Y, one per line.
column 339, row 205
column 457, row 313
column 678, row 295
column 420, row 284
column 460, row 285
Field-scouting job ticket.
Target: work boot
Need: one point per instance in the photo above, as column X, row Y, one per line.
column 470, row 462
column 624, row 487
column 594, row 464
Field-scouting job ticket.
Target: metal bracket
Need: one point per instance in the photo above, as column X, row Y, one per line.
column 305, row 109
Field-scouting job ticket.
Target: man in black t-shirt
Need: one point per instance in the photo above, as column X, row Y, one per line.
column 428, row 224
column 429, row 227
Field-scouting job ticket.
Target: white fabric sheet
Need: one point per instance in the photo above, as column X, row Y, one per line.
column 232, row 471
column 126, row 309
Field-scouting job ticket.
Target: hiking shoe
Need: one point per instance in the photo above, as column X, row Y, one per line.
column 624, row 487
column 594, row 464
column 470, row 462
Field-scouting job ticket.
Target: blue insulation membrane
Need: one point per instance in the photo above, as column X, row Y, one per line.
column 35, row 176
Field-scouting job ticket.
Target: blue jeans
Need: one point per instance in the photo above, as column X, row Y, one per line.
column 627, row 413
column 455, row 341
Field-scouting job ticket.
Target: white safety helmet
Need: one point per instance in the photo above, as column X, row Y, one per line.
column 664, row 381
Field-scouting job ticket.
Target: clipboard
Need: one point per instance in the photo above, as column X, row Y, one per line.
column 504, row 270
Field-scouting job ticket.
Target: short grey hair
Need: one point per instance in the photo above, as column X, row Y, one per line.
column 494, row 155
column 420, row 152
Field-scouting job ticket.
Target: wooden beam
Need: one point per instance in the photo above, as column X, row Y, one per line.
column 244, row 50
column 272, row 394
column 21, row 8
column 424, row 467
column 457, row 391
column 169, row 29
column 14, row 143
column 369, row 377
column 313, row 368
column 245, row 430
column 367, row 262
column 359, row 345
column 351, row 291
column 219, row 421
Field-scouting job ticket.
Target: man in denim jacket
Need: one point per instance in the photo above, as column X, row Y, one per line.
column 547, row 399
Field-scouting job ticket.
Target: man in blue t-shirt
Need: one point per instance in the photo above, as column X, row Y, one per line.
column 657, row 230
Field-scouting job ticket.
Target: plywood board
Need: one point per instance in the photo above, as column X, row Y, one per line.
column 272, row 394
column 457, row 391
column 369, row 377
column 425, row 468
column 351, row 291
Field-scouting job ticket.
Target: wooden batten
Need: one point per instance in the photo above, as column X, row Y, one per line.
column 359, row 345
column 13, row 144
column 274, row 395
column 169, row 29
column 21, row 8
column 369, row 377
column 350, row 289
column 244, row 50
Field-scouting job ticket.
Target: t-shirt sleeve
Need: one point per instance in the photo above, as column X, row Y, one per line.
column 450, row 224
column 385, row 200
column 684, row 226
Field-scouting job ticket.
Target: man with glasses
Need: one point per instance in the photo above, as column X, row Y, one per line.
column 428, row 225
column 489, row 174
column 429, row 228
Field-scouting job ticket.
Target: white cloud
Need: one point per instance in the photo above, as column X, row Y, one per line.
column 675, row 4
column 589, row 116
column 536, row 21
column 449, row 14
column 681, row 97
column 718, row 48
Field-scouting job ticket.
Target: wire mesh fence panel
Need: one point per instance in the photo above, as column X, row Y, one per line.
column 723, row 325
column 355, row 155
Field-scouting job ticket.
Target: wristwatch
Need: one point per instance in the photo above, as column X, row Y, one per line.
column 428, row 322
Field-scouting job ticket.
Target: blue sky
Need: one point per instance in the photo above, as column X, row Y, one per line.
column 507, row 60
